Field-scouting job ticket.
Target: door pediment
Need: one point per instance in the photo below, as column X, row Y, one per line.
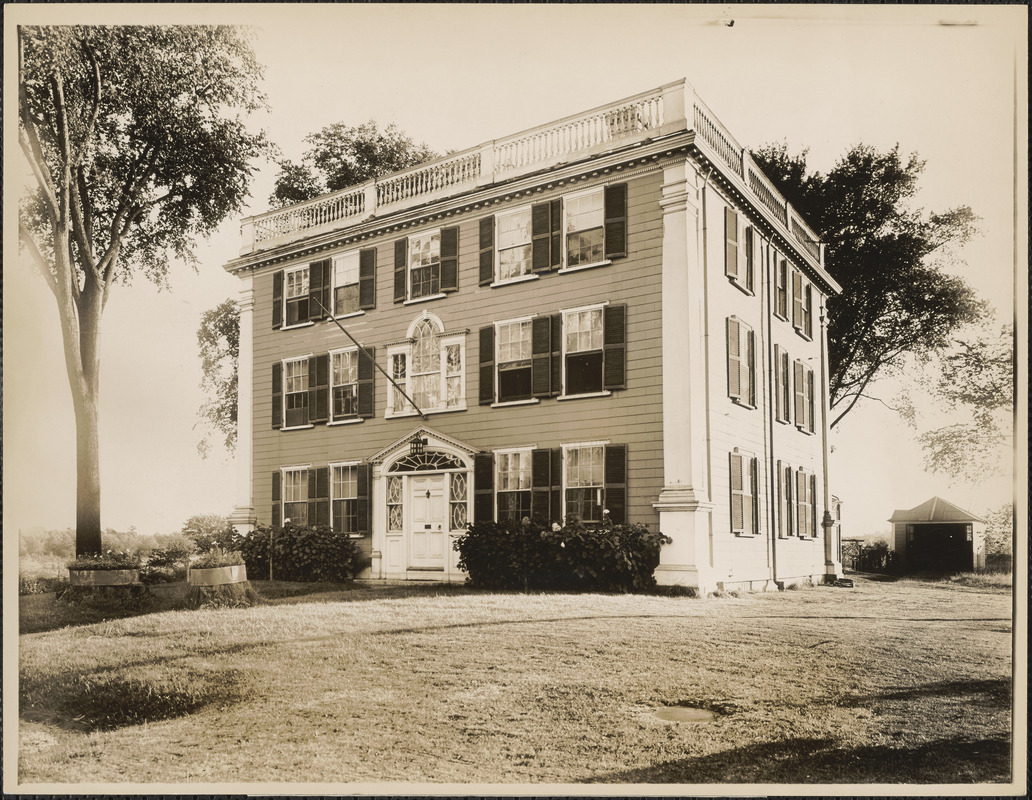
column 435, row 442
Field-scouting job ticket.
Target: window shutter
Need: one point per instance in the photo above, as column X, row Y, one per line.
column 781, row 502
column 810, row 425
column 737, row 499
column 749, row 255
column 318, row 289
column 541, row 237
column 449, row 259
column 813, row 505
column 483, row 487
column 616, row 482
column 797, row 299
column 541, row 484
column 731, row 246
column 614, row 323
column 779, row 401
column 365, row 383
column 363, row 502
column 319, row 388
column 277, row 300
column 616, row 220
column 557, row 354
column 800, row 487
column 400, row 270
column 808, row 310
column 555, row 213
column 277, row 395
column 367, row 279
column 749, row 368
column 753, row 509
column 782, row 292
column 556, row 469
column 319, row 497
column 487, row 226
column 800, row 394
column 487, row 365
column 541, row 356
column 276, row 511
column 734, row 359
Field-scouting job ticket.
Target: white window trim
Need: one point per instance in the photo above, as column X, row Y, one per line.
column 747, row 402
column 497, row 363
column 748, row 455
column 331, row 465
column 405, row 348
column 527, row 450
column 519, row 279
column 562, row 352
column 777, row 259
column 508, row 403
column 741, row 281
column 426, row 299
column 604, row 443
column 287, row 271
column 779, row 399
column 349, row 315
column 812, row 505
column 564, row 264
column 283, row 489
column 409, row 299
column 283, row 398
column 809, row 403
column 333, row 282
column 347, row 420
column 498, row 250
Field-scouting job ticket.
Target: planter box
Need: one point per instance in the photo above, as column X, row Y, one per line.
column 218, row 576
column 103, row 577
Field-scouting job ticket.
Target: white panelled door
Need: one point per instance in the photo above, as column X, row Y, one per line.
column 429, row 522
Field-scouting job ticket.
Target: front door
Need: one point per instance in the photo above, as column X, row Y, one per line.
column 428, row 534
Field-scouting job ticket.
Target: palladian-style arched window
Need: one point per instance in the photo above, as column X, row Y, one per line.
column 430, row 367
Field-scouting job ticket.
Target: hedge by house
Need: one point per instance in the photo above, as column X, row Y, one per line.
column 542, row 556
column 300, row 553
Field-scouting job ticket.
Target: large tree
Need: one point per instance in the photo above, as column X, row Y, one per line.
column 339, row 156
column 138, row 141
column 897, row 299
column 218, row 338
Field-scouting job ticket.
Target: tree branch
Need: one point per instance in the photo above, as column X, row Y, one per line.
column 30, row 146
column 29, row 243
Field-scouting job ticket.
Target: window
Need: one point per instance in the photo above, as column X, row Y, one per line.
column 744, row 495
column 426, row 265
column 458, row 507
column 344, row 384
column 783, row 385
column 781, row 289
column 395, row 514
column 808, row 310
column 514, row 360
column 741, row 360
column 513, row 485
column 739, row 252
column 295, row 496
column 345, row 283
column 583, row 482
column 429, row 368
column 296, row 290
column 295, row 391
column 344, row 499
column 583, row 352
column 786, row 508
column 806, row 488
column 802, row 305
column 585, row 229
column 804, row 400
column 515, row 251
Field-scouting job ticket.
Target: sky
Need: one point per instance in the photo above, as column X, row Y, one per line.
column 938, row 80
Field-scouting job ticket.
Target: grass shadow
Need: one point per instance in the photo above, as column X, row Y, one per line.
column 996, row 693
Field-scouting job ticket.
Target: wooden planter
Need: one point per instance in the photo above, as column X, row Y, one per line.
column 103, row 577
column 218, row 576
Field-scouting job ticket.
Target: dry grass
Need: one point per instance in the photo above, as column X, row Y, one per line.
column 887, row 682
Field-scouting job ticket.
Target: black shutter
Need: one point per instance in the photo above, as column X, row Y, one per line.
column 797, row 300
column 277, row 300
column 363, row 502
column 541, row 484
column 616, row 482
column 541, row 357
column 557, row 354
column 319, row 388
column 276, row 499
column 449, row 259
column 555, row 215
column 483, row 487
column 487, row 251
column 750, row 245
column 734, row 358
column 277, row 395
column 737, row 497
column 731, row 246
column 367, row 279
column 541, row 237
column 614, row 337
column 616, row 220
column 400, row 270
column 319, row 497
column 556, row 470
column 366, row 372
column 487, row 365
column 319, row 288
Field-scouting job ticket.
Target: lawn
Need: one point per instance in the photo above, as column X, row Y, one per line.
column 892, row 681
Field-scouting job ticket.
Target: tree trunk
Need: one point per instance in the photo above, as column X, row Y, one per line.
column 87, row 466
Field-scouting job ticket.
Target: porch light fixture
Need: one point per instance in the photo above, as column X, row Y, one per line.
column 417, row 445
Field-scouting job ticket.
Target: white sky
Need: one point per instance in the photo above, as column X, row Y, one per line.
column 826, row 77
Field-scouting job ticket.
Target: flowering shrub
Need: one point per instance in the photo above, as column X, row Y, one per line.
column 218, row 558
column 300, row 554
column 532, row 555
column 106, row 560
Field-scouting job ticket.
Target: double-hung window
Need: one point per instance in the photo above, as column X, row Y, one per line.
column 802, row 305
column 429, row 367
column 806, row 489
column 804, row 398
column 295, row 392
column 344, row 384
column 345, row 283
column 744, row 495
column 739, row 251
column 741, row 362
column 515, row 251
column 344, row 499
column 295, row 495
column 783, row 385
column 424, row 264
column 583, row 351
column 584, row 217
column 296, row 296
column 786, row 506
column 781, row 288
column 514, row 360
column 584, row 481
column 513, row 484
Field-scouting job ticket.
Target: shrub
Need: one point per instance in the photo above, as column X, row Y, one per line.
column 176, row 554
column 151, row 575
column 532, row 555
column 218, row 558
column 300, row 553
column 106, row 560
column 39, row 585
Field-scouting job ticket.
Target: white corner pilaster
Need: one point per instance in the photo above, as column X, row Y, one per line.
column 243, row 517
column 684, row 502
column 832, row 564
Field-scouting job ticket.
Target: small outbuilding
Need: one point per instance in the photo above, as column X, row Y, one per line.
column 938, row 537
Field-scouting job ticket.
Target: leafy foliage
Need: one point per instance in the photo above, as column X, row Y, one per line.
column 218, row 339
column 300, row 553
column 999, row 538
column 614, row 558
column 218, row 558
column 209, row 531
column 106, row 561
column 873, row 557
column 339, row 156
column 896, row 299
